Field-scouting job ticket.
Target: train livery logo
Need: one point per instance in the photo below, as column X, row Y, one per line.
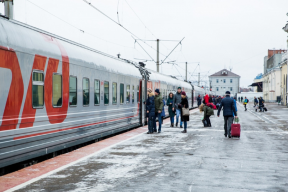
column 11, row 114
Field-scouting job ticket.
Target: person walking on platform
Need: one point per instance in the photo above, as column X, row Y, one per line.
column 228, row 109
column 199, row 100
column 184, row 104
column 176, row 102
column 241, row 99
column 150, row 108
column 170, row 108
column 158, row 108
column 214, row 100
column 163, row 111
column 261, row 104
column 245, row 103
column 206, row 99
column 255, row 101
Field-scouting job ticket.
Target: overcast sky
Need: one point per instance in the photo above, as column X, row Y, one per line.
column 217, row 33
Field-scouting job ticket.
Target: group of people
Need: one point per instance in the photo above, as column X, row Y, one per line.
column 259, row 102
column 155, row 109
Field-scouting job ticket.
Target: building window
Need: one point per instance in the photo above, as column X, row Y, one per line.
column 231, row 88
column 121, row 93
column 72, row 91
column 38, row 89
column 106, row 92
column 217, row 88
column 96, row 92
column 217, row 80
column 132, row 93
column 224, row 80
column 85, row 87
column 127, row 93
column 57, row 90
column 114, row 93
column 231, row 80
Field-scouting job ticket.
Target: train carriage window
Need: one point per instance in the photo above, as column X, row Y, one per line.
column 38, row 89
column 106, row 92
column 86, row 86
column 121, row 93
column 127, row 93
column 137, row 93
column 96, row 92
column 133, row 93
column 72, row 91
column 114, row 93
column 57, row 90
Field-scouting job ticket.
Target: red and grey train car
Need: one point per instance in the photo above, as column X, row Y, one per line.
column 55, row 93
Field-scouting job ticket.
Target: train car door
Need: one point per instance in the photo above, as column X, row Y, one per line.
column 143, row 97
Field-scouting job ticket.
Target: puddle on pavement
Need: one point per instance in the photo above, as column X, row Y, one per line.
column 177, row 154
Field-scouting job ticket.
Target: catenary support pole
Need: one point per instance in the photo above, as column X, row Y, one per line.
column 186, row 72
column 198, row 79
column 157, row 55
column 9, row 9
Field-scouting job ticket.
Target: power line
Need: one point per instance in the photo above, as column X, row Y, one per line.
column 73, row 26
column 172, row 50
column 115, row 22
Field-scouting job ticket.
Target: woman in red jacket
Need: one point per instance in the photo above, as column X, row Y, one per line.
column 206, row 99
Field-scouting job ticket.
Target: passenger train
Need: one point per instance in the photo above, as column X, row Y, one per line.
column 55, row 93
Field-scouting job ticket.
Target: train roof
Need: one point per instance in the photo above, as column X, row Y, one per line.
column 27, row 39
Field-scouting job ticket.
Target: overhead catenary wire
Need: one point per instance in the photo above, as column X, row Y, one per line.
column 75, row 27
column 90, row 4
column 172, row 50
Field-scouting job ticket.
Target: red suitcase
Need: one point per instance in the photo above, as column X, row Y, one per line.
column 235, row 130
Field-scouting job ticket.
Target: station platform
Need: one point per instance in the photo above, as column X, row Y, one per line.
column 200, row 160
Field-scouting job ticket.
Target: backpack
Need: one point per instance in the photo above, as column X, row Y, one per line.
column 247, row 100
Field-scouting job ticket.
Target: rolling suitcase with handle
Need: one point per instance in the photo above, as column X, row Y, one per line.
column 236, row 129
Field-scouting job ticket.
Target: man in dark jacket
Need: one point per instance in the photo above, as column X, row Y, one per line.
column 228, row 108
column 199, row 100
column 255, row 101
column 158, row 108
column 176, row 102
column 150, row 113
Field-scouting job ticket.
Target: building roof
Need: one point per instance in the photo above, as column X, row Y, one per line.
column 224, row 73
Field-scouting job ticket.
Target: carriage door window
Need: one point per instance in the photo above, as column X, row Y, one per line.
column 114, row 93
column 85, row 87
column 133, row 93
column 137, row 93
column 96, row 92
column 57, row 90
column 38, row 89
column 128, row 94
column 72, row 91
column 106, row 92
column 121, row 93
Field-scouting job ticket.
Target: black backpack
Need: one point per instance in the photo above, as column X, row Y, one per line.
column 247, row 100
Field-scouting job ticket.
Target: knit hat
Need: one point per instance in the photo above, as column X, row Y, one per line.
column 149, row 90
column 183, row 93
column 157, row 91
column 179, row 87
column 227, row 93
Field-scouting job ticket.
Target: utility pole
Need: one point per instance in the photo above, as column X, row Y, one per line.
column 198, row 79
column 157, row 55
column 186, row 72
column 9, row 9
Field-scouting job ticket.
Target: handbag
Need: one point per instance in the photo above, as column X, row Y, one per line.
column 185, row 112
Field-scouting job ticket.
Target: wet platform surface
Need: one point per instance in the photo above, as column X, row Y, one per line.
column 201, row 160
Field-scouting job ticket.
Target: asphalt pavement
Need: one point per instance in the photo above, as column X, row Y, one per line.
column 201, row 160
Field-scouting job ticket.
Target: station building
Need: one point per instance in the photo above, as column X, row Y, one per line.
column 223, row 81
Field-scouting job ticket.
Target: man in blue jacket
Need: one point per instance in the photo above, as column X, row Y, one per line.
column 228, row 109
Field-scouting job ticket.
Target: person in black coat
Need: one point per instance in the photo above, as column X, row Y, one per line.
column 184, row 104
column 228, row 108
column 199, row 100
column 150, row 112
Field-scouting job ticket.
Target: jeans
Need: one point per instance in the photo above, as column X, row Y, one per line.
column 151, row 121
column 172, row 119
column 227, row 124
column 245, row 106
column 185, row 125
column 178, row 113
column 159, row 122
